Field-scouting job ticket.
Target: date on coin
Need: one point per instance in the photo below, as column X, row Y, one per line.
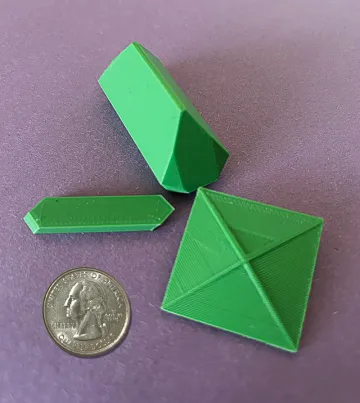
column 86, row 312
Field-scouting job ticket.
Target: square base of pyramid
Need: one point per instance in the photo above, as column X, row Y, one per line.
column 245, row 267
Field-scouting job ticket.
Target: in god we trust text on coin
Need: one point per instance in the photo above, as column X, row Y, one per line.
column 86, row 312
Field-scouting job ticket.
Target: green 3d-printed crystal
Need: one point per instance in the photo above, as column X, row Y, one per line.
column 98, row 214
column 245, row 267
column 180, row 148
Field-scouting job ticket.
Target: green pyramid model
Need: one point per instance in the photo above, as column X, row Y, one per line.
column 245, row 267
column 179, row 146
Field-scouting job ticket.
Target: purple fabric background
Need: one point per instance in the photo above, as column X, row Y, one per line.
column 279, row 82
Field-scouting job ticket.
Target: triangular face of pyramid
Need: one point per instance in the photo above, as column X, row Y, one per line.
column 232, row 302
column 285, row 275
column 258, row 227
column 245, row 267
column 204, row 253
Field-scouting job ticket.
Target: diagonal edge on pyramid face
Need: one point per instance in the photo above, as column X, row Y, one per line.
column 257, row 227
column 205, row 253
column 232, row 303
column 285, row 274
column 280, row 212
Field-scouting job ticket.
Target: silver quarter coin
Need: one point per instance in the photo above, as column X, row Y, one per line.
column 86, row 312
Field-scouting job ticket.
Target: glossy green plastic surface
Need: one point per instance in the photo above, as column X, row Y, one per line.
column 245, row 267
column 179, row 146
column 98, row 214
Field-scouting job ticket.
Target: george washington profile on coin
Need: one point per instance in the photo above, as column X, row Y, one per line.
column 86, row 311
column 86, row 305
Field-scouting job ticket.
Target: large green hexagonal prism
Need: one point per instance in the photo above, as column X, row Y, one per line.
column 179, row 146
